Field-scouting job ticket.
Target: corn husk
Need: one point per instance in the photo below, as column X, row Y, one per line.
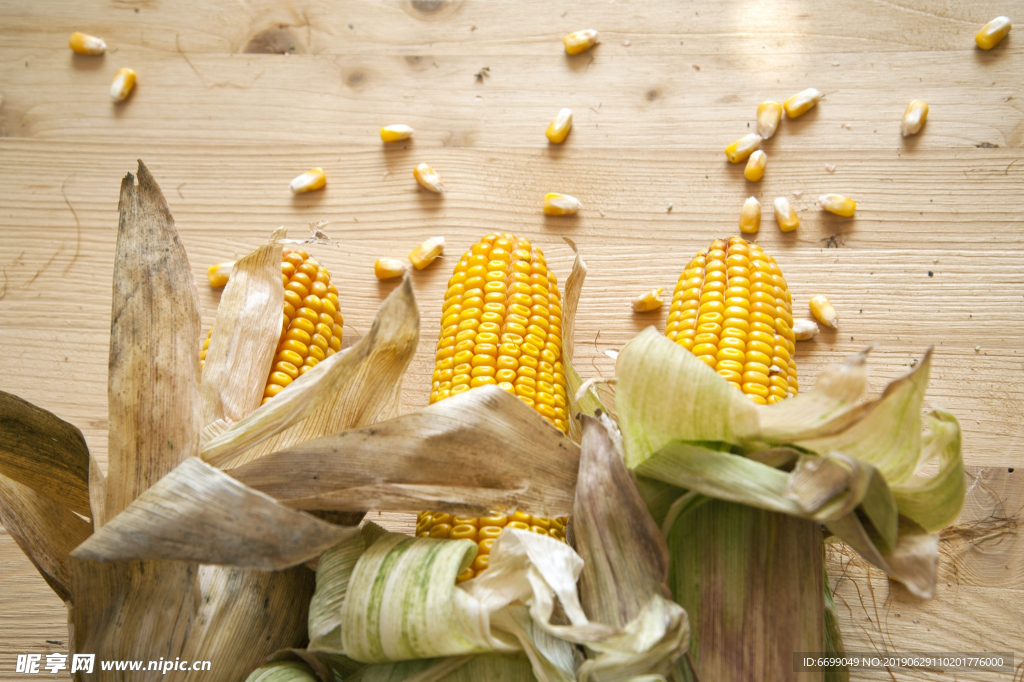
column 753, row 487
column 142, row 583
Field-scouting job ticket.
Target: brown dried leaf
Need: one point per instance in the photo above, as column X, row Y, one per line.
column 352, row 388
column 248, row 327
column 153, row 384
column 44, row 452
column 199, row 513
column 468, row 454
column 45, row 530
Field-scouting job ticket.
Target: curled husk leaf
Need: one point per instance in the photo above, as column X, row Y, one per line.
column 854, row 466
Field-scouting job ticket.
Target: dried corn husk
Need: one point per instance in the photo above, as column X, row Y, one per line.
column 156, row 526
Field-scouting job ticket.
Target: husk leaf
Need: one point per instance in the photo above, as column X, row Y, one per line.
column 333, row 574
column 284, row 671
column 45, row 530
column 935, row 502
column 351, row 388
column 505, row 453
column 198, row 513
column 490, row 667
column 248, row 327
column 588, row 403
column 44, row 452
column 153, row 391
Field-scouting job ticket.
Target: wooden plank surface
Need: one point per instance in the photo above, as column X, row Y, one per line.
column 934, row 256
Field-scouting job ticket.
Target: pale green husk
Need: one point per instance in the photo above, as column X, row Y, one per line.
column 851, row 466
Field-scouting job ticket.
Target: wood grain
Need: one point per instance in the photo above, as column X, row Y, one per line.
column 224, row 120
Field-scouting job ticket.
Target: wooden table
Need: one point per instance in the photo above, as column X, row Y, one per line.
column 236, row 98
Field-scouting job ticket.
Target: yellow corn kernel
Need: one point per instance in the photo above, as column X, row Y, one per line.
column 755, row 166
column 914, row 117
column 389, row 268
column 467, row 574
column 992, row 33
column 838, row 204
column 83, row 43
column 805, row 329
column 733, row 310
column 750, row 216
column 743, row 147
column 395, row 133
column 311, row 180
column 428, row 178
column 785, row 215
column 824, row 312
column 580, row 41
column 648, row 301
column 769, row 115
column 802, row 102
column 219, row 273
column 560, row 127
column 561, row 204
column 427, row 252
column 121, row 87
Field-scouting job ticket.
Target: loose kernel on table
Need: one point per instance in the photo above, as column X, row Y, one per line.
column 804, row 329
column 389, row 268
column 648, row 301
column 750, row 216
column 395, row 133
column 219, row 273
column 769, row 115
column 824, row 312
column 427, row 252
column 838, row 204
column 785, row 215
column 83, row 43
column 561, row 204
column 914, row 117
column 124, row 81
column 580, row 41
column 560, row 127
column 755, row 166
column 992, row 33
column 428, row 178
column 743, row 147
column 311, row 180
column 802, row 102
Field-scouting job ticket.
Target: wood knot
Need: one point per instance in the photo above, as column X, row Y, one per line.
column 355, row 79
column 653, row 94
column 277, row 40
column 433, row 10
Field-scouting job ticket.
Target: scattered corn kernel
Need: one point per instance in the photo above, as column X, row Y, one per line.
column 389, row 268
column 785, row 215
column 743, row 147
column 823, row 312
column 561, row 204
column 802, row 102
column 648, row 301
column 805, row 329
column 750, row 216
column 395, row 133
column 580, row 41
column 992, row 33
column 219, row 273
column 914, row 117
column 769, row 115
column 838, row 204
column 83, row 43
column 755, row 166
column 124, row 81
column 312, row 179
column 427, row 252
column 560, row 127
column 428, row 178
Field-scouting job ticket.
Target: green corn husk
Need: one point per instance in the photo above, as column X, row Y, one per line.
column 748, row 565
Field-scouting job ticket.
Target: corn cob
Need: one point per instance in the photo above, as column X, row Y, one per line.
column 732, row 309
column 501, row 324
column 311, row 325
